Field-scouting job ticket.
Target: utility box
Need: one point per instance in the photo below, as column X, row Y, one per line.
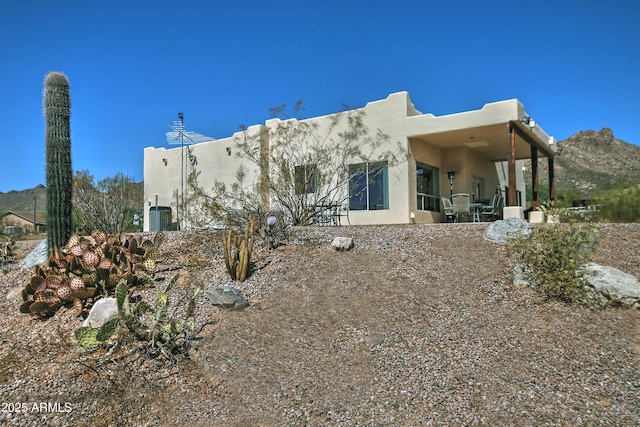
column 159, row 218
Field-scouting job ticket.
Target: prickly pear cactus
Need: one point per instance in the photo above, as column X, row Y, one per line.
column 88, row 267
column 92, row 338
column 88, row 337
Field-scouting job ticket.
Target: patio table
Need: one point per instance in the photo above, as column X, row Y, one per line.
column 476, row 208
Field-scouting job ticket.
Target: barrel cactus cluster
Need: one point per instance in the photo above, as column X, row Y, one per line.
column 86, row 268
column 237, row 252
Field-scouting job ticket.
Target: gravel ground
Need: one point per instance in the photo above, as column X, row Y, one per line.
column 417, row 325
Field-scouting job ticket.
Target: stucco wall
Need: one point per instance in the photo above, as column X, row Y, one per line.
column 394, row 116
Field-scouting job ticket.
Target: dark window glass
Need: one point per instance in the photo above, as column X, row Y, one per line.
column 427, row 187
column 368, row 186
column 305, row 179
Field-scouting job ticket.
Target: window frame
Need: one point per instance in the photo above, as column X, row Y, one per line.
column 429, row 201
column 369, row 186
column 305, row 179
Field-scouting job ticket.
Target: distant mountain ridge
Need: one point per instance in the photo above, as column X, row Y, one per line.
column 23, row 200
column 589, row 159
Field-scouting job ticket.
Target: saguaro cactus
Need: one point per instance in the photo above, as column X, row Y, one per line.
column 57, row 112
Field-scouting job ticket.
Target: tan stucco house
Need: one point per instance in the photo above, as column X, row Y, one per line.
column 18, row 222
column 485, row 148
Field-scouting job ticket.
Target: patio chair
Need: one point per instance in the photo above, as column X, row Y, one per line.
column 493, row 212
column 339, row 210
column 448, row 209
column 461, row 205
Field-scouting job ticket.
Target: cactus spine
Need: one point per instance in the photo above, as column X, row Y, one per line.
column 237, row 252
column 57, row 112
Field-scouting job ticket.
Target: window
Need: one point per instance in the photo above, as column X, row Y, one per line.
column 427, row 187
column 368, row 186
column 306, row 179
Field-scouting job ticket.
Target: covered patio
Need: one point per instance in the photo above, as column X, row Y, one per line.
column 480, row 153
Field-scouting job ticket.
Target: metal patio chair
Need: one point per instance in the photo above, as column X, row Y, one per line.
column 461, row 205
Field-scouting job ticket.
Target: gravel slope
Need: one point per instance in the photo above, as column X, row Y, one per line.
column 417, row 325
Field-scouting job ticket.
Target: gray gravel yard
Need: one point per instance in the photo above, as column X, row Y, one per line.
column 417, row 325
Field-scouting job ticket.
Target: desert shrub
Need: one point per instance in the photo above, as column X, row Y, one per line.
column 550, row 258
column 620, row 205
column 570, row 215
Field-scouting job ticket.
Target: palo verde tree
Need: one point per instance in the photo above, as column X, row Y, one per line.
column 299, row 165
column 108, row 205
column 57, row 112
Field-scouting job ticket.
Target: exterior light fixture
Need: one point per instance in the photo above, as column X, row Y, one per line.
column 452, row 176
column 528, row 121
column 271, row 220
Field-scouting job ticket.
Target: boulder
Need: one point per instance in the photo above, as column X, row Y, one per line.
column 342, row 243
column 37, row 256
column 227, row 296
column 101, row 311
column 500, row 231
column 608, row 284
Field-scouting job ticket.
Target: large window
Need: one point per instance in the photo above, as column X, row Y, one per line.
column 427, row 187
column 306, row 179
column 368, row 186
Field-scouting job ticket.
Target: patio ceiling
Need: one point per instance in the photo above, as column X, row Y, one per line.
column 491, row 141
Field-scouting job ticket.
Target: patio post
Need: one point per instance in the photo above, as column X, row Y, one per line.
column 552, row 186
column 511, row 166
column 534, row 178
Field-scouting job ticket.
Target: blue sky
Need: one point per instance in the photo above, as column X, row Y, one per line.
column 132, row 66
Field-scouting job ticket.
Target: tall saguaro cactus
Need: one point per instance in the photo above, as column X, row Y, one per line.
column 57, row 112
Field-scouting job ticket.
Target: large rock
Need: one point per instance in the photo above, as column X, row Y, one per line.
column 500, row 231
column 36, row 256
column 609, row 284
column 101, row 311
column 342, row 243
column 227, row 296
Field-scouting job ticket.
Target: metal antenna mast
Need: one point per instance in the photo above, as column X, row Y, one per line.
column 178, row 128
column 182, row 137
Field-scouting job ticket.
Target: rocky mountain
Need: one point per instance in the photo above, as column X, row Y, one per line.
column 589, row 159
column 23, row 200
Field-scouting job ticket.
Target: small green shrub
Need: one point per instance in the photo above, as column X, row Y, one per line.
column 621, row 205
column 551, row 256
column 569, row 215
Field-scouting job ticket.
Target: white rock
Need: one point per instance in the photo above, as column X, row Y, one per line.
column 500, row 231
column 101, row 311
column 37, row 256
column 612, row 283
column 342, row 243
